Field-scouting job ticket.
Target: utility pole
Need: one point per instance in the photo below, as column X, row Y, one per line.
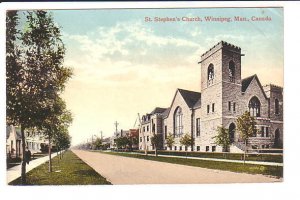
column 116, row 125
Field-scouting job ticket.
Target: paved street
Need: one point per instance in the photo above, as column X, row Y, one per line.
column 124, row 170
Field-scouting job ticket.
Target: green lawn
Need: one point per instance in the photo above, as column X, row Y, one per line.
column 70, row 170
column 220, row 155
column 276, row 171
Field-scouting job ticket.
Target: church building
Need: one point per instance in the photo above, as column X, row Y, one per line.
column 224, row 96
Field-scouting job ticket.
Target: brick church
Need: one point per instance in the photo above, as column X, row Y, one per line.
column 223, row 98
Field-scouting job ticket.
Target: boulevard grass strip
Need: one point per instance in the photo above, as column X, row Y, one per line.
column 70, row 170
column 229, row 156
column 276, row 171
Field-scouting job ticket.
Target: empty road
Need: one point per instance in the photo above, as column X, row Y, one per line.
column 125, row 170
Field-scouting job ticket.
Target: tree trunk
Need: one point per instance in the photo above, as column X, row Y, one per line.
column 49, row 150
column 23, row 170
column 155, row 150
column 245, row 151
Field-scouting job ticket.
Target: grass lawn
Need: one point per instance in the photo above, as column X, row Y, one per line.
column 276, row 171
column 70, row 170
column 230, row 156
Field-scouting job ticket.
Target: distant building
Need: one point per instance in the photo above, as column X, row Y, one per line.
column 224, row 97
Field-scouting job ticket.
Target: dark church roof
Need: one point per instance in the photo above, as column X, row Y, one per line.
column 246, row 82
column 190, row 97
column 166, row 112
column 158, row 110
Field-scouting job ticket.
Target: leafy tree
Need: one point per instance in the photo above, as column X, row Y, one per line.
column 98, row 143
column 222, row 138
column 122, row 142
column 16, row 94
column 61, row 137
column 156, row 140
column 170, row 140
column 35, row 74
column 56, row 120
column 187, row 141
column 246, row 127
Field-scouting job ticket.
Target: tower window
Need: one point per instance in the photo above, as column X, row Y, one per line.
column 231, row 71
column 229, row 105
column 213, row 107
column 276, row 106
column 210, row 74
column 233, row 107
column 207, row 108
column 254, row 107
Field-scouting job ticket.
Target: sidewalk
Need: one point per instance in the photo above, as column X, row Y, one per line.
column 215, row 159
column 15, row 172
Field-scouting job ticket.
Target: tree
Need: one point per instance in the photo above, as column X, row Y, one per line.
column 222, row 138
column 122, row 142
column 35, row 72
column 246, row 127
column 170, row 140
column 61, row 136
column 98, row 143
column 187, row 141
column 156, row 141
column 56, row 121
column 16, row 110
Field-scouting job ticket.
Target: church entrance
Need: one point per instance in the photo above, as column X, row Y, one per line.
column 232, row 132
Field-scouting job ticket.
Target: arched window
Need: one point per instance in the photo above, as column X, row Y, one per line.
column 232, row 132
column 276, row 106
column 231, row 71
column 210, row 74
column 254, row 107
column 178, row 127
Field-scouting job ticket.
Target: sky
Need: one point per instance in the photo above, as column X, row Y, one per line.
column 124, row 65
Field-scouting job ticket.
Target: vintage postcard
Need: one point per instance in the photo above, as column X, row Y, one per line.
column 141, row 95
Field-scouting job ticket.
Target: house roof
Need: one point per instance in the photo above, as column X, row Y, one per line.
column 158, row 110
column 190, row 97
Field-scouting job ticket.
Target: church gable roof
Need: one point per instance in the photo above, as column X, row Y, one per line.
column 247, row 81
column 190, row 97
